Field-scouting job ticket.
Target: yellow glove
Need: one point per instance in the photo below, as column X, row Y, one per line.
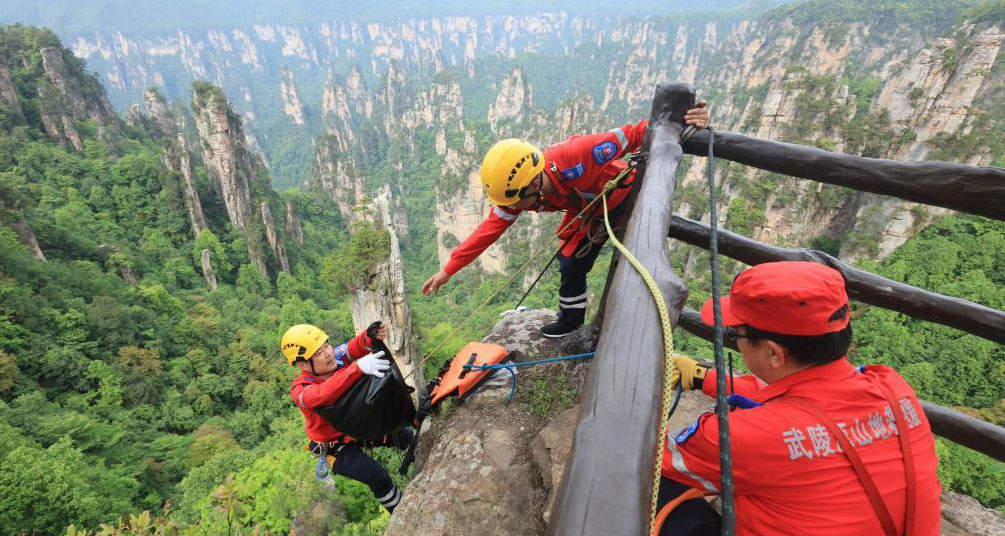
column 687, row 372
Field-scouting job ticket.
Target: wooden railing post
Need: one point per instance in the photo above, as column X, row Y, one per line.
column 608, row 479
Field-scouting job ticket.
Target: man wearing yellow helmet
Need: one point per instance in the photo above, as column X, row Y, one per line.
column 326, row 373
column 517, row 176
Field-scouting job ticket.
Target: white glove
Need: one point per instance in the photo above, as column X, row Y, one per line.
column 373, row 365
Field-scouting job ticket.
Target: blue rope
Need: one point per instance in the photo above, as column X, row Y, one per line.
column 510, row 366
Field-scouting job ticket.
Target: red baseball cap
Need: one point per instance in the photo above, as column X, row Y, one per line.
column 789, row 298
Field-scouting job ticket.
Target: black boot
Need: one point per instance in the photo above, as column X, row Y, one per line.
column 560, row 328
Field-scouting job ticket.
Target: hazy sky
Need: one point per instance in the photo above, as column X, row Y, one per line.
column 77, row 16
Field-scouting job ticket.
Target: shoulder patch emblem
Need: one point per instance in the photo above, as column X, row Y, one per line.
column 742, row 402
column 341, row 351
column 574, row 172
column 687, row 432
column 604, row 152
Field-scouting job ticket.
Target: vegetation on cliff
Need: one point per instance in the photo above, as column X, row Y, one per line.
column 118, row 397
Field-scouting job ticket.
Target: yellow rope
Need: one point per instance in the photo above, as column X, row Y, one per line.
column 667, row 352
column 611, row 185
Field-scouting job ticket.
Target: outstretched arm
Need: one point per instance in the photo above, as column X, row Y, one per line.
column 485, row 235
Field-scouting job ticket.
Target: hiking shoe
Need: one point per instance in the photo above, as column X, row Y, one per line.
column 559, row 329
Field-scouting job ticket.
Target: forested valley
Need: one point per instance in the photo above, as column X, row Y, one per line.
column 141, row 386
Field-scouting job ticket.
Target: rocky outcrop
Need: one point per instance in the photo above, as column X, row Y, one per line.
column 275, row 241
column 176, row 159
column 223, row 149
column 71, row 96
column 27, row 238
column 793, row 83
column 292, row 224
column 337, row 116
column 231, row 166
column 207, row 270
column 337, row 175
column 513, row 100
column 964, row 516
column 290, row 97
column 461, row 206
column 383, row 296
column 134, row 117
column 475, row 471
column 164, row 123
column 9, row 94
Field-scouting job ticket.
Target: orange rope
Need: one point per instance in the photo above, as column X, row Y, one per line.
column 661, row 518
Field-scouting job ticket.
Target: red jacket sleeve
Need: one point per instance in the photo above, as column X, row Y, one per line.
column 628, row 137
column 488, row 231
column 693, row 460
column 358, row 346
column 747, row 385
column 691, row 455
column 316, row 395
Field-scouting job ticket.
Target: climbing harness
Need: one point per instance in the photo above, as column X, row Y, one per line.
column 612, row 184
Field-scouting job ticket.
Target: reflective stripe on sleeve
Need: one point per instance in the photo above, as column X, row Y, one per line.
column 622, row 139
column 677, row 460
column 503, row 214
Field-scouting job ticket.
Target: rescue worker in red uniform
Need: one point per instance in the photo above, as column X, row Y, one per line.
column 792, row 472
column 517, row 176
column 326, row 373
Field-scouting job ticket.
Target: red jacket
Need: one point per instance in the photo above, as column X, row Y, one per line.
column 309, row 392
column 789, row 476
column 578, row 168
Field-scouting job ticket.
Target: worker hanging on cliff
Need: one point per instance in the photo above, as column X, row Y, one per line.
column 326, row 373
column 803, row 418
column 517, row 176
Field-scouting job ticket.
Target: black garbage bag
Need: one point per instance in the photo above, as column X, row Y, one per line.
column 373, row 407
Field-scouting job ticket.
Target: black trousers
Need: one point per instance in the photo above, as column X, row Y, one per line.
column 693, row 517
column 572, row 289
column 352, row 462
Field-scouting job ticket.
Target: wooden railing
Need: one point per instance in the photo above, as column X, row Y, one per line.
column 608, row 480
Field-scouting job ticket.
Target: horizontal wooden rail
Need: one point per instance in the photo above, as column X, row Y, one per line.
column 971, row 432
column 977, row 190
column 863, row 286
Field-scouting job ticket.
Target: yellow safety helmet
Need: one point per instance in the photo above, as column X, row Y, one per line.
column 509, row 166
column 301, row 341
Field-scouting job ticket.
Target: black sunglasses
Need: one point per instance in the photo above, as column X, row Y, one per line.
column 730, row 336
column 539, row 179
